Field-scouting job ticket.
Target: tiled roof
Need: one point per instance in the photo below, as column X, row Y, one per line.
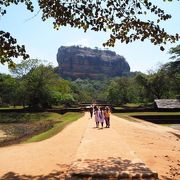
column 167, row 103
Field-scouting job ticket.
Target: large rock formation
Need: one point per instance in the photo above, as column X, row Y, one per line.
column 77, row 62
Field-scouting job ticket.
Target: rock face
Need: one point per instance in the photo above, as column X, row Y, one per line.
column 77, row 62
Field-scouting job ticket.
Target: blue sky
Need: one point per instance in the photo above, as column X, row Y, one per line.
column 42, row 41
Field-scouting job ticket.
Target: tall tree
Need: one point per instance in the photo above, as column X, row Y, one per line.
column 8, row 87
column 39, row 84
column 155, row 84
column 121, row 91
column 172, row 71
column 123, row 20
column 113, row 93
column 24, row 67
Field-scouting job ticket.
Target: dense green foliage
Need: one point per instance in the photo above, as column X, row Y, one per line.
column 165, row 83
column 123, row 20
column 8, row 89
column 89, row 90
column 37, row 87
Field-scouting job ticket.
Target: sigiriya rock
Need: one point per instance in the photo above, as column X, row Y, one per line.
column 77, row 62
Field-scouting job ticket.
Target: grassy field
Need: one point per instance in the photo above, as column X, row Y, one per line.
column 146, row 113
column 27, row 117
column 133, row 105
column 11, row 107
column 64, row 120
column 129, row 115
column 31, row 127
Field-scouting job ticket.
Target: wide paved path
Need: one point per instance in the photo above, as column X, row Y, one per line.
column 45, row 157
column 81, row 150
column 103, row 152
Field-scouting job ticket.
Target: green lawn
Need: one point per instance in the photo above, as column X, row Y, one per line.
column 15, row 117
column 118, row 107
column 64, row 120
column 33, row 127
column 146, row 113
column 12, row 107
column 132, row 105
column 128, row 115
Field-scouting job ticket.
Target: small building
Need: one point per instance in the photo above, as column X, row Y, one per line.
column 167, row 103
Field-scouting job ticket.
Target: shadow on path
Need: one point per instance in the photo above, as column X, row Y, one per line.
column 62, row 173
column 111, row 168
column 92, row 169
column 15, row 176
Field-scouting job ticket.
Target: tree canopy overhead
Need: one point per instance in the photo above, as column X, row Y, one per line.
column 122, row 19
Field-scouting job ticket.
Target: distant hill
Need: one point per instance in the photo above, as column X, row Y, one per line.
column 77, row 62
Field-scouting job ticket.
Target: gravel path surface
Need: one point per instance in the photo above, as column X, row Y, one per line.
column 125, row 149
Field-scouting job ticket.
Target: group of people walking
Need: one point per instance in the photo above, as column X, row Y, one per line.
column 101, row 115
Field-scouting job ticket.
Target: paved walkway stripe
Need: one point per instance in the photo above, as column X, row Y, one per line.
column 103, row 153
